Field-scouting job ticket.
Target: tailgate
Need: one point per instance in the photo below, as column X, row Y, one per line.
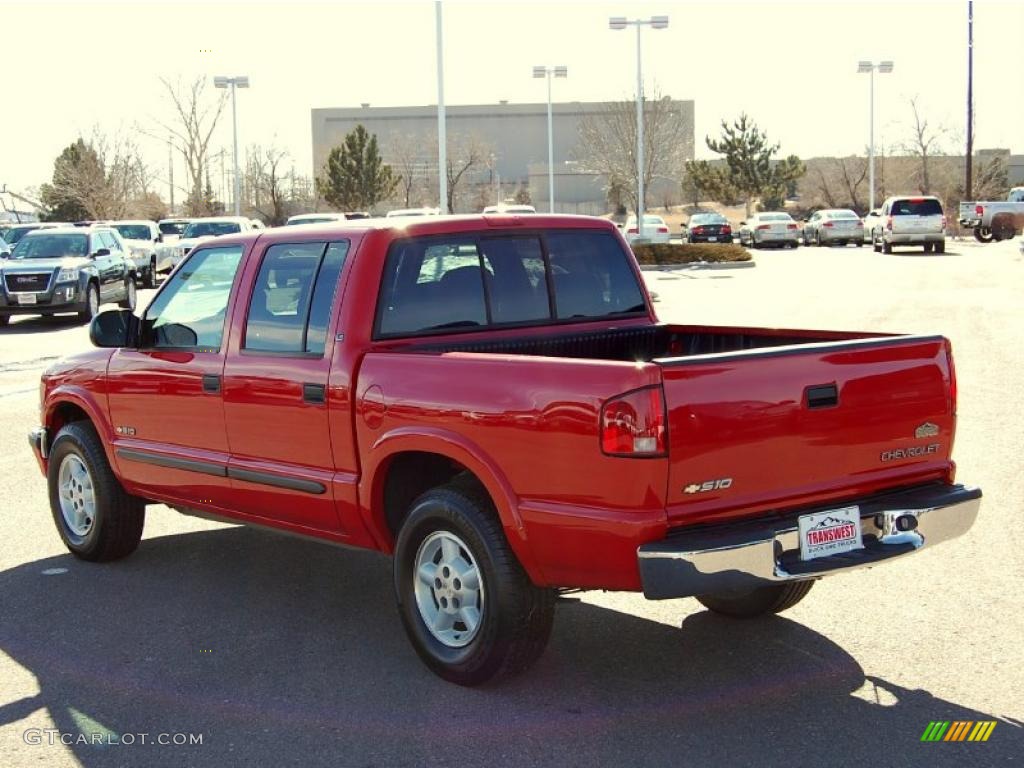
column 909, row 224
column 756, row 430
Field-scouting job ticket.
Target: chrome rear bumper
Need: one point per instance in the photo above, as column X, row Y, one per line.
column 752, row 554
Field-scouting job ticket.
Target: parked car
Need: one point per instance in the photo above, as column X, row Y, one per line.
column 365, row 386
column 708, row 228
column 655, row 230
column 169, row 256
column 509, row 208
column 775, row 228
column 872, row 220
column 18, row 231
column 71, row 269
column 413, row 212
column 171, row 229
column 5, row 249
column 834, row 226
column 324, row 217
column 995, row 220
column 141, row 238
column 910, row 221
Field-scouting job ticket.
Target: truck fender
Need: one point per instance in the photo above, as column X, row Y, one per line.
column 457, row 448
column 85, row 400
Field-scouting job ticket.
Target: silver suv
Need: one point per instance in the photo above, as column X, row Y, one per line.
column 909, row 220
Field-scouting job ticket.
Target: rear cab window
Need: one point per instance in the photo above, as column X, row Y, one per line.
column 445, row 284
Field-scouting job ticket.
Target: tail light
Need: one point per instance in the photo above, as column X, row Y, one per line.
column 860, row 222
column 697, row 230
column 665, row 229
column 764, row 226
column 943, row 222
column 632, row 231
column 952, row 377
column 979, row 209
column 828, row 224
column 791, row 226
column 888, row 223
column 633, row 424
column 726, row 229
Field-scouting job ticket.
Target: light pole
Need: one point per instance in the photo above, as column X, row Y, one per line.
column 240, row 81
column 883, row 67
column 548, row 72
column 442, row 142
column 655, row 22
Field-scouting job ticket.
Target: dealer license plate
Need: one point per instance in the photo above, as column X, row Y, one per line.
column 26, row 298
column 829, row 533
column 712, row 239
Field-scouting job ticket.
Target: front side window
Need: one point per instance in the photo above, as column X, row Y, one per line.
column 292, row 298
column 190, row 311
column 134, row 231
column 210, row 229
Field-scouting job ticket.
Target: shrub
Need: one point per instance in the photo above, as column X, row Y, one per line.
column 689, row 253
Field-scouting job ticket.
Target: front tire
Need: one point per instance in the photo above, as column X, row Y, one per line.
column 467, row 605
column 128, row 302
column 760, row 601
column 149, row 281
column 92, row 303
column 96, row 519
column 886, row 247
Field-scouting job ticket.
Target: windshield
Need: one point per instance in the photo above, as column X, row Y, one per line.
column 210, row 228
column 133, row 231
column 46, row 246
column 172, row 227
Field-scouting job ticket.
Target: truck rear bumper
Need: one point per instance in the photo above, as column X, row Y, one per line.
column 743, row 556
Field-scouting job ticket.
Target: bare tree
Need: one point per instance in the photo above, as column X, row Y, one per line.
column 405, row 153
column 608, row 142
column 465, row 155
column 923, row 144
column 196, row 113
column 266, row 183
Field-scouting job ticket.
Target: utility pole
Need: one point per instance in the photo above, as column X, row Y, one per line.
column 969, row 183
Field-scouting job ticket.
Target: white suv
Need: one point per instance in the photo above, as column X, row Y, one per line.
column 907, row 220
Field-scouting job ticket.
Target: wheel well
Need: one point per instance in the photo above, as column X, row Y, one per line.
column 411, row 474
column 65, row 413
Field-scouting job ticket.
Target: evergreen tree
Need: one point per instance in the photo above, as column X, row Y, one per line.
column 355, row 177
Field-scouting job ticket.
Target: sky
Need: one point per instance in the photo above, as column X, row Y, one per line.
column 73, row 67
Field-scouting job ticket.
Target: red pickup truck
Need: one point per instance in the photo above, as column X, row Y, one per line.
column 491, row 400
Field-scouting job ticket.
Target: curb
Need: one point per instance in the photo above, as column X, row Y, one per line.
column 698, row 265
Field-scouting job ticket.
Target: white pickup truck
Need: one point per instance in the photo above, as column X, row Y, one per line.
column 999, row 220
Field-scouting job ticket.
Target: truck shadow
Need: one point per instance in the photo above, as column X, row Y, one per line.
column 40, row 324
column 279, row 651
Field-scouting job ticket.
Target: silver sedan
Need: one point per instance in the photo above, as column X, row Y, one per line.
column 834, row 226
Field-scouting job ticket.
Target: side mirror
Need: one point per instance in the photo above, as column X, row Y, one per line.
column 114, row 328
column 159, row 237
column 101, row 252
column 743, row 223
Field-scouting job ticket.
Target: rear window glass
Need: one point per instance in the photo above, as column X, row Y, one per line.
column 434, row 285
column 843, row 215
column 775, row 217
column 916, row 207
column 705, row 219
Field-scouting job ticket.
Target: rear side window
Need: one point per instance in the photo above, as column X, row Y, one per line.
column 436, row 286
column 917, row 207
column 291, row 300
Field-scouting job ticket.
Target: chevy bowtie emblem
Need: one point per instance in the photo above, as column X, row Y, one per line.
column 926, row 430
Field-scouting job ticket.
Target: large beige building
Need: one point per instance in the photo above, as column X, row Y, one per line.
column 513, row 136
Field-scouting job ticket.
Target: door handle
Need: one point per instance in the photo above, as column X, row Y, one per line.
column 211, row 383
column 822, row 396
column 314, row 393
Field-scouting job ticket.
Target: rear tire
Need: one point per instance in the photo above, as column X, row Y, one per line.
column 983, row 235
column 96, row 519
column 453, row 532
column 939, row 247
column 886, row 247
column 4, row 320
column 150, row 278
column 927, row 247
column 759, row 601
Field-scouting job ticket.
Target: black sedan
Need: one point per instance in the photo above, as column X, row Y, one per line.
column 708, row 228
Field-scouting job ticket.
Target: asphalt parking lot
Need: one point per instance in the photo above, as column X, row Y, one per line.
column 284, row 652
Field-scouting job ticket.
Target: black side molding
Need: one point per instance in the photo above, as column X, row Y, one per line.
column 278, row 481
column 211, row 383
column 821, row 396
column 159, row 460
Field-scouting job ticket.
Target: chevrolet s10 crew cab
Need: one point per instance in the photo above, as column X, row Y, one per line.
column 492, row 401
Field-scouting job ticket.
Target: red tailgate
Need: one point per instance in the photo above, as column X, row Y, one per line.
column 760, row 430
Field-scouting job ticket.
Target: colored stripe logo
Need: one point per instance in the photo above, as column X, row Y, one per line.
column 958, row 730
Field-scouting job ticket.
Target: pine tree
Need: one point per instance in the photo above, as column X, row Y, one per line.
column 355, row 177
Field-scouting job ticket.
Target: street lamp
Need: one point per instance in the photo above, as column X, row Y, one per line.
column 619, row 23
column 869, row 67
column 548, row 72
column 240, row 81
